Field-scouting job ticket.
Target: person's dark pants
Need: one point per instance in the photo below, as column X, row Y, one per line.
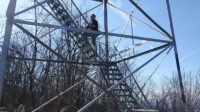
column 93, row 38
column 94, row 41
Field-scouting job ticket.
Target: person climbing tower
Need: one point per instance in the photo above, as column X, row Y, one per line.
column 93, row 25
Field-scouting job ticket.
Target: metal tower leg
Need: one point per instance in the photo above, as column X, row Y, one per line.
column 106, row 43
column 106, row 27
column 9, row 24
column 176, row 57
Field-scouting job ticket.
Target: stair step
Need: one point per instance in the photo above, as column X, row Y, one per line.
column 60, row 11
column 83, row 42
column 113, row 68
column 64, row 18
column 124, row 95
column 123, row 84
column 128, row 102
column 113, row 71
column 114, row 74
column 51, row 1
column 117, row 79
column 121, row 90
column 55, row 6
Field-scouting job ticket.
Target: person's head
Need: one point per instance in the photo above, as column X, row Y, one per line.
column 93, row 16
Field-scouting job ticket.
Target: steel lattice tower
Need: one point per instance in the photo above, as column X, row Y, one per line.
column 115, row 90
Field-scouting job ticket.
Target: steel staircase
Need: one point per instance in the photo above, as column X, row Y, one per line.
column 62, row 15
column 113, row 75
column 122, row 91
column 65, row 19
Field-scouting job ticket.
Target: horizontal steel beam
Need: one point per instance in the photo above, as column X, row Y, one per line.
column 89, row 31
column 98, row 0
column 61, row 61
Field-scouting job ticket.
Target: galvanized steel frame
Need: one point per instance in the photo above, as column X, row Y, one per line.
column 167, row 43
